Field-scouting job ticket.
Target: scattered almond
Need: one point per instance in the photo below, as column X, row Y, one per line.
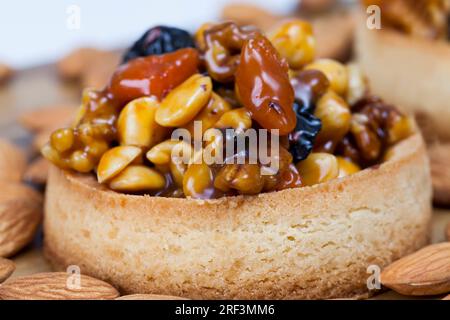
column 92, row 66
column 447, row 232
column 73, row 65
column 20, row 215
column 37, row 171
column 447, row 297
column 56, row 286
column 246, row 14
column 425, row 272
column 149, row 297
column 440, row 172
column 7, row 267
column 5, row 73
column 48, row 118
column 12, row 162
column 99, row 70
column 316, row 5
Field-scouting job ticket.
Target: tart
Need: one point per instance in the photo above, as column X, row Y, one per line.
column 409, row 46
column 233, row 165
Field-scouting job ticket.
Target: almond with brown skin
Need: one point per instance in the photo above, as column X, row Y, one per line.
column 440, row 172
column 12, row 162
column 37, row 171
column 57, row 286
column 149, row 297
column 247, row 14
column 20, row 215
column 447, row 232
column 48, row 118
column 98, row 71
column 425, row 272
column 7, row 267
column 72, row 66
column 5, row 73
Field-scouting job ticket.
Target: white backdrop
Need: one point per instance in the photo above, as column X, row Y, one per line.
column 40, row 31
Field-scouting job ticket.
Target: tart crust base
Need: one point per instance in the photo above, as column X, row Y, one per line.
column 307, row 243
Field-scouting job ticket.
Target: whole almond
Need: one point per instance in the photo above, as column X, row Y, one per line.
column 20, row 215
column 7, row 267
column 99, row 69
column 72, row 66
column 149, row 297
column 425, row 272
column 247, row 14
column 56, row 286
column 440, row 172
column 37, row 171
column 6, row 73
column 48, row 118
column 447, row 232
column 12, row 162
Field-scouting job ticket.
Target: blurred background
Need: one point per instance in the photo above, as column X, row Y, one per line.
column 37, row 32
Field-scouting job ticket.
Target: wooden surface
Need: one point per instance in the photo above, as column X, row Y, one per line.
column 40, row 87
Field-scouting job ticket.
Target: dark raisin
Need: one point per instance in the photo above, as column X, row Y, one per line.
column 159, row 40
column 305, row 132
column 309, row 86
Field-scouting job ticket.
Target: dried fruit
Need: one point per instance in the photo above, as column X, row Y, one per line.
column 57, row 286
column 262, row 83
column 153, row 75
column 159, row 40
column 309, row 86
column 12, row 162
column 20, row 215
column 7, row 267
column 301, row 139
column 425, row 272
column 223, row 43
